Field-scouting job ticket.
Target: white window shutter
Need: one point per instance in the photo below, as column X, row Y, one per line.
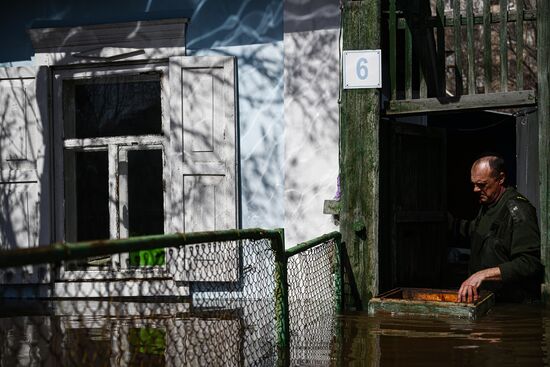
column 203, row 123
column 24, row 167
column 203, row 158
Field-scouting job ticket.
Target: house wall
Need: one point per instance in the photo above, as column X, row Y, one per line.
column 311, row 32
column 287, row 80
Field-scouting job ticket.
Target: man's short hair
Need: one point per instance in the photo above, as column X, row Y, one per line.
column 496, row 163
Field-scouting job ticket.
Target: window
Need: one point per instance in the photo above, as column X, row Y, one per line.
column 113, row 136
column 113, row 131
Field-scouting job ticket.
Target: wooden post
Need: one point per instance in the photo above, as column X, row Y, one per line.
column 471, row 53
column 543, row 37
column 487, row 55
column 359, row 158
column 503, row 45
column 459, row 90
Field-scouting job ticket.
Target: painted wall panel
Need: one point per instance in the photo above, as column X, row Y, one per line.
column 311, row 131
column 202, row 114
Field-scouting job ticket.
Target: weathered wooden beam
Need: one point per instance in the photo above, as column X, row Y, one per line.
column 471, row 55
column 457, row 35
column 503, row 38
column 408, row 61
column 359, row 158
column 465, row 102
column 393, row 49
column 487, row 57
column 543, row 79
column 519, row 48
column 441, row 57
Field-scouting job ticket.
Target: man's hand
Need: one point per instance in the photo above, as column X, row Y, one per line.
column 468, row 289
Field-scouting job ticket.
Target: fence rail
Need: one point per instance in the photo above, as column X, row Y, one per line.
column 64, row 251
column 228, row 298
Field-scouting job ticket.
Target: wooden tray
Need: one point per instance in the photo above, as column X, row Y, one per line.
column 430, row 302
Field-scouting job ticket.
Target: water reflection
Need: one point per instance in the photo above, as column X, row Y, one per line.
column 510, row 335
column 106, row 333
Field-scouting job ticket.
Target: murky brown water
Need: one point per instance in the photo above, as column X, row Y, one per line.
column 95, row 333
column 510, row 335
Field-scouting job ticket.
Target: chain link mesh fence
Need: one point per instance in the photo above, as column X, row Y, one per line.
column 206, row 303
column 312, row 303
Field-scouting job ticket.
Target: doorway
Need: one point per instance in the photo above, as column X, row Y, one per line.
column 425, row 174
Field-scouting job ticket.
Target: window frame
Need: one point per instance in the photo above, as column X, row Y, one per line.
column 118, row 268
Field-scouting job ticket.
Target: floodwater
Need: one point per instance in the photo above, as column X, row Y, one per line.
column 509, row 335
column 93, row 333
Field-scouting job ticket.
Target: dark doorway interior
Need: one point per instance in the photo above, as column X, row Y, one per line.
column 416, row 249
column 470, row 135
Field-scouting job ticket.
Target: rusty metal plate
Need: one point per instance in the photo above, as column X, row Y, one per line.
column 430, row 302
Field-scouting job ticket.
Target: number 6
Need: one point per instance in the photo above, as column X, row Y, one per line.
column 361, row 69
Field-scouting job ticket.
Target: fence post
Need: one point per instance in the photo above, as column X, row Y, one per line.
column 339, row 278
column 281, row 297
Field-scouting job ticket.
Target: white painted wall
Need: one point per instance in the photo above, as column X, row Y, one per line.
column 261, row 129
column 311, row 131
column 288, row 92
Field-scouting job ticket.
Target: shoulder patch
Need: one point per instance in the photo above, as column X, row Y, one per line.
column 516, row 212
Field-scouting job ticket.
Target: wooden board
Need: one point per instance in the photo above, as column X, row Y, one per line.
column 464, row 102
column 430, row 302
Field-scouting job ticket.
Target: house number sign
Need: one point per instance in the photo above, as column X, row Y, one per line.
column 362, row 69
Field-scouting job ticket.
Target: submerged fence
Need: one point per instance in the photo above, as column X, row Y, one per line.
column 226, row 298
column 315, row 294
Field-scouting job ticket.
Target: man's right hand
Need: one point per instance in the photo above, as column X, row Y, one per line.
column 467, row 293
column 468, row 289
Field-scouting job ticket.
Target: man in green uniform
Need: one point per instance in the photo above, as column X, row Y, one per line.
column 504, row 237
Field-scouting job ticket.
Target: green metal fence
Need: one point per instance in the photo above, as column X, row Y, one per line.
column 314, row 293
column 199, row 299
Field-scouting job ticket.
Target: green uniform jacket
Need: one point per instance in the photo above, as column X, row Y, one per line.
column 506, row 234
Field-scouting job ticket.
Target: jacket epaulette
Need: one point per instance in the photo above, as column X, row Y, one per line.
column 513, row 206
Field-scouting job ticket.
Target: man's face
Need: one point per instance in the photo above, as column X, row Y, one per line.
column 488, row 187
